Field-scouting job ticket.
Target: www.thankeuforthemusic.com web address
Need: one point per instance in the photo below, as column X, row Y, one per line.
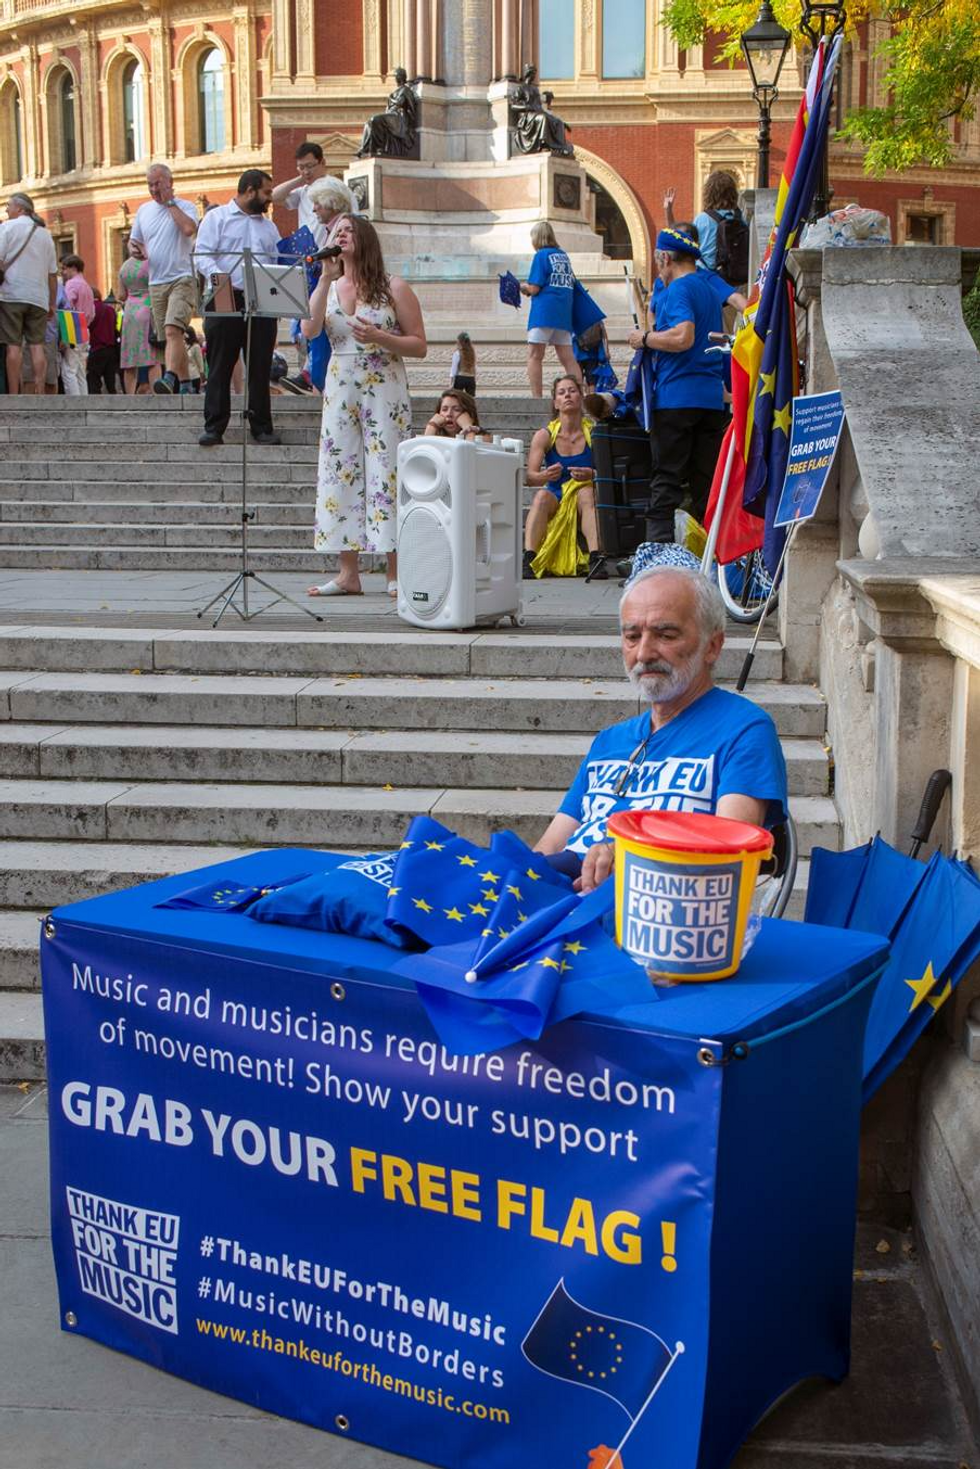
column 259, row 1339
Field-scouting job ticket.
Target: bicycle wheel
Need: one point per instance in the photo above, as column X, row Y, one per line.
column 744, row 585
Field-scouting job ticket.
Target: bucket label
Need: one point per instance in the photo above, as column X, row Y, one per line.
column 680, row 918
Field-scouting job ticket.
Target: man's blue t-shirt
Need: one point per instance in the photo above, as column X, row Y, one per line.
column 721, row 360
column 551, row 269
column 720, row 745
column 689, row 379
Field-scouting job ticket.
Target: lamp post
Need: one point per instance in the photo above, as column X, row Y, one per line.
column 764, row 46
column 822, row 18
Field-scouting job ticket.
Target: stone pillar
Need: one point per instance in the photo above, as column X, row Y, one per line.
column 283, row 52
column 246, row 70
column 305, row 43
column 509, row 34
column 409, row 56
column 160, row 92
column 371, row 31
column 589, row 64
column 90, row 152
column 31, row 113
column 423, row 57
column 528, row 39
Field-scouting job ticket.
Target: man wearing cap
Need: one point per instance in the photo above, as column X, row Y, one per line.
column 697, row 748
column 29, row 289
column 689, row 417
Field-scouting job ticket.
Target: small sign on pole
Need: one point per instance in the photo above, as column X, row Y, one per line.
column 814, row 436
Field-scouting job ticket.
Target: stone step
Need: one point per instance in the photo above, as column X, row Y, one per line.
column 510, row 654
column 21, row 1036
column 57, row 557
column 396, row 757
column 292, row 537
column 102, row 517
column 288, row 815
column 41, row 875
column 163, row 471
column 360, row 703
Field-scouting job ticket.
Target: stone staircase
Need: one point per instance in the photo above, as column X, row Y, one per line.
column 135, row 746
column 120, row 483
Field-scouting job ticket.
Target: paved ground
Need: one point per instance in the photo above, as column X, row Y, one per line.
column 68, row 1402
column 141, row 598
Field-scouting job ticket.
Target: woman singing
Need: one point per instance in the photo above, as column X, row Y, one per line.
column 373, row 320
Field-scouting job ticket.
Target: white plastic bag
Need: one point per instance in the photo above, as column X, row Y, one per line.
column 852, row 225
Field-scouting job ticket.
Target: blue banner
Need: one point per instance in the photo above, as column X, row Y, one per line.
column 814, row 435
column 277, row 1184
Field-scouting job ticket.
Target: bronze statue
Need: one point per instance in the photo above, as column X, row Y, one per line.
column 537, row 129
column 394, row 132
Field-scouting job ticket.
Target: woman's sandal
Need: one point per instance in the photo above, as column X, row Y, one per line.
column 332, row 589
column 393, row 589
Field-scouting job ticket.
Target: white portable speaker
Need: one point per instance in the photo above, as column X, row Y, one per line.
column 459, row 532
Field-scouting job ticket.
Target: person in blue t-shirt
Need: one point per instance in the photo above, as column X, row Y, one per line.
column 697, row 748
column 551, row 286
column 727, row 295
column 689, row 418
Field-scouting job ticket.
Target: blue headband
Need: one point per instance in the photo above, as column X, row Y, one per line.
column 669, row 239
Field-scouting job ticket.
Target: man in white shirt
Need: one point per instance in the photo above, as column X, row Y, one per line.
column 29, row 289
column 295, row 193
column 225, row 232
column 165, row 228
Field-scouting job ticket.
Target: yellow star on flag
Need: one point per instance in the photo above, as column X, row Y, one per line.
column 434, row 846
column 393, row 892
column 454, row 914
column 421, row 903
column 479, row 908
column 565, row 966
column 549, row 963
column 489, row 877
column 767, row 382
column 491, row 896
column 534, row 876
column 515, row 967
column 486, row 933
column 921, row 987
column 511, row 888
column 936, row 1000
column 406, row 844
column 466, row 861
column 521, row 917
column 575, row 948
column 781, row 420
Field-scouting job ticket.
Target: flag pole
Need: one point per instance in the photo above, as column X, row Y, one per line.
column 611, row 1463
column 715, row 531
column 743, row 677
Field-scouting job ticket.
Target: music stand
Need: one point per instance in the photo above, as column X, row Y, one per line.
column 269, row 290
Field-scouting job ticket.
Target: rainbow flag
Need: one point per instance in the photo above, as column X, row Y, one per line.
column 72, row 328
column 763, row 358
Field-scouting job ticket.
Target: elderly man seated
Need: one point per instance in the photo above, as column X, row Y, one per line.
column 699, row 748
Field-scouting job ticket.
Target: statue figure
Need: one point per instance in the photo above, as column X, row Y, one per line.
column 394, row 132
column 537, row 128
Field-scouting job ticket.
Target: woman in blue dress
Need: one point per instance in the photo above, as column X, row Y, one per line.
column 551, row 285
column 560, row 459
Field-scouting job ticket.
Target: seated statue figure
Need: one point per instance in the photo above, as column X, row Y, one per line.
column 394, row 132
column 537, row 130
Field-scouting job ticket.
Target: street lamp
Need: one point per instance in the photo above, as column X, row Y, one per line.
column 822, row 18
column 764, row 46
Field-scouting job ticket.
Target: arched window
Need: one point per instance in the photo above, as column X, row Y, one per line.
column 133, row 98
column 211, row 101
column 66, row 118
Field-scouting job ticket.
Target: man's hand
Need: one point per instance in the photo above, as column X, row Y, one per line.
column 596, row 866
column 636, row 339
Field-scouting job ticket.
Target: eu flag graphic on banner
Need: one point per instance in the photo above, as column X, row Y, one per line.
column 225, row 897
column 618, row 1358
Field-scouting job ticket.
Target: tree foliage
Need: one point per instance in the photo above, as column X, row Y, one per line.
column 932, row 69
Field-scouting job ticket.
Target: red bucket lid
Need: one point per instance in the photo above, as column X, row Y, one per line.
column 689, row 831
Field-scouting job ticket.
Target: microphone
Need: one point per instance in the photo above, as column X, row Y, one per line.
column 329, row 252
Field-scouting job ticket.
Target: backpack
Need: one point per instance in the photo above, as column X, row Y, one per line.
column 732, row 254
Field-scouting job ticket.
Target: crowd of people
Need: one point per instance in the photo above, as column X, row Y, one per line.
column 61, row 334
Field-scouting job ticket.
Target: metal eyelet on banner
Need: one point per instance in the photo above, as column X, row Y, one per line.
column 341, row 1423
column 337, row 991
column 738, row 1052
column 71, row 1319
column 49, row 928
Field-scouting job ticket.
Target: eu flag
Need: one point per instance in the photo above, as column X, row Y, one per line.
column 867, row 888
column 617, row 1358
column 935, row 943
column 510, row 289
column 225, row 897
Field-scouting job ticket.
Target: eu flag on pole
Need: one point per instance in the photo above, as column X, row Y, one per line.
column 867, row 888
column 743, row 525
column 618, row 1358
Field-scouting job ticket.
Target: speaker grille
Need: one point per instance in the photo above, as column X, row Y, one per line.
column 425, row 561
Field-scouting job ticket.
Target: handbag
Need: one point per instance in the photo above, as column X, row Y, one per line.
column 17, row 253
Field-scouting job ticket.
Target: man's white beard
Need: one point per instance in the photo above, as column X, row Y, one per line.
column 673, row 681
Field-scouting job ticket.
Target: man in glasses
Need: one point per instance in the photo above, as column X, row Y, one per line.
column 694, row 748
